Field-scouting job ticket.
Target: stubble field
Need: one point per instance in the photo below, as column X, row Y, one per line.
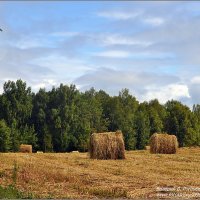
column 74, row 175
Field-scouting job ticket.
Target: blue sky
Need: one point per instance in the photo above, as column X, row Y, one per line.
column 151, row 48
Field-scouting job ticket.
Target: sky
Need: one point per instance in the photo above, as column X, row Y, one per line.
column 150, row 47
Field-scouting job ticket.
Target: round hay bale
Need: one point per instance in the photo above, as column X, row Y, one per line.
column 108, row 145
column 74, row 151
column 39, row 152
column 147, row 147
column 163, row 144
column 25, row 148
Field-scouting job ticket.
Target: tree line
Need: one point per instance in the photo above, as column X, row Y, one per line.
column 63, row 118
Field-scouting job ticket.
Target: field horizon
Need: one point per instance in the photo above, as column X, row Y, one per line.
column 74, row 175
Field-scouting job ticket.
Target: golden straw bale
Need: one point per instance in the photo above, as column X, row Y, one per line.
column 163, row 143
column 147, row 147
column 39, row 152
column 25, row 148
column 108, row 145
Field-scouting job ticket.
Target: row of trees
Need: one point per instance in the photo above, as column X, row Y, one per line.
column 62, row 119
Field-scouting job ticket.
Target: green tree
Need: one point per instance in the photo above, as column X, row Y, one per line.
column 63, row 117
column 122, row 112
column 142, row 126
column 95, row 111
column 5, row 140
column 178, row 121
column 157, row 115
column 16, row 105
column 15, row 137
column 40, row 120
column 194, row 137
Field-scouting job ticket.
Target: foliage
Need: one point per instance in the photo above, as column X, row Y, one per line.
column 63, row 118
column 142, row 127
column 9, row 192
column 5, row 139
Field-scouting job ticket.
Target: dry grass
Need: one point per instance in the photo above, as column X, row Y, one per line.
column 108, row 145
column 67, row 175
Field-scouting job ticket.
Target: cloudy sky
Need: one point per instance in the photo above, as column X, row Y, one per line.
column 151, row 48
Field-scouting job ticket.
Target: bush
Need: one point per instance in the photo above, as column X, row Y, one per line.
column 10, row 192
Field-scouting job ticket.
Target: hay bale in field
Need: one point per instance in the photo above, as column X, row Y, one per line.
column 147, row 147
column 39, row 152
column 25, row 148
column 163, row 143
column 108, row 145
column 74, row 151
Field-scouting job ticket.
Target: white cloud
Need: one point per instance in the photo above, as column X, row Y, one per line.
column 36, row 87
column 64, row 34
column 63, row 67
column 194, row 88
column 113, row 54
column 118, row 15
column 27, row 42
column 154, row 21
column 121, row 15
column 137, row 40
column 195, row 80
column 145, row 86
column 46, row 83
column 115, row 39
column 143, row 55
column 168, row 92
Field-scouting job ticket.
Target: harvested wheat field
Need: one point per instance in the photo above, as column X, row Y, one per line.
column 69, row 175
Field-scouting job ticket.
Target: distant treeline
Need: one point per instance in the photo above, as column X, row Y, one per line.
column 62, row 119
